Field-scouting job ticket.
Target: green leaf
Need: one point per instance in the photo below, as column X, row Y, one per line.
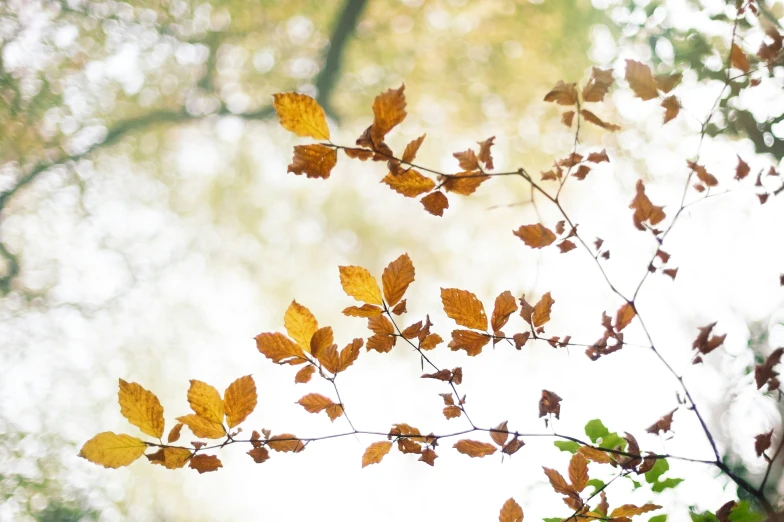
column 635, row 483
column 612, row 441
column 567, row 445
column 597, row 484
column 656, row 471
column 703, row 517
column 552, row 519
column 658, row 518
column 595, row 430
column 664, row 484
column 743, row 513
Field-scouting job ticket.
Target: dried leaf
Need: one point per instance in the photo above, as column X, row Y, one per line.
column 581, row 173
column 738, row 58
column 315, row 161
column 301, row 115
column 667, row 82
column 435, row 203
column 441, row 375
column 467, row 160
column 663, row 424
column 430, row 342
column 205, row 463
column 365, row 310
column 641, row 80
column 470, row 341
column 428, row 456
column 562, row 93
column 412, row 148
column 474, row 448
column 361, row 154
column 513, row 446
column 520, row 339
column 464, row 308
column 375, row 453
column 285, row 443
column 410, row 183
column 671, row 108
column 452, row 412
column 535, row 236
column 550, row 403
column 360, row 284
column 559, row 483
column 142, row 408
column 500, row 437
column 240, row 400
column 624, row 316
column 629, row 510
column 484, row 152
column 464, row 183
column 594, row 454
column 304, row 375
column 704, row 343
column 567, row 118
column 259, row 455
column 349, row 354
column 321, row 340
column 300, row 324
column 511, row 512
column 111, row 450
column 314, row 402
column 400, row 308
column 202, row 427
column 541, row 312
column 170, row 458
column 598, row 85
column 397, row 276
column 763, row 373
column 578, row 472
column 174, row 434
column 329, row 358
column 592, row 118
column 380, row 343
column 644, row 210
column 389, row 109
column 598, row 157
column 278, row 347
column 742, row 170
column 762, row 442
column 505, row 305
column 703, row 175
column 566, row 246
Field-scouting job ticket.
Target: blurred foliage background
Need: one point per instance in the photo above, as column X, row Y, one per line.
column 148, row 228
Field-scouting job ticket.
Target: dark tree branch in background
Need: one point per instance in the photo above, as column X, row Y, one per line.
column 325, row 82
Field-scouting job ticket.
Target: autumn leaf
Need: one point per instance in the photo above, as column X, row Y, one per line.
column 389, row 109
column 513, row 446
column 435, row 203
column 170, row 458
column 598, row 157
column 111, row 450
column 535, row 236
column 315, row 403
column 542, row 309
column 259, row 455
column 142, row 408
column 428, row 457
column 703, row 175
column 550, row 403
column 559, row 483
column 467, row 160
column 762, row 442
column 452, row 412
column 474, row 448
column 349, row 354
column 667, row 82
column 671, row 108
column 470, row 341
column 202, row 427
column 205, row 463
column 396, row 278
column 315, row 161
column 304, row 375
column 578, row 472
column 500, row 437
column 412, row 148
column 430, row 342
column 630, row 510
column 562, row 94
column 321, row 340
column 240, row 400
column 278, row 347
column 594, row 454
column 380, row 343
column 301, row 115
column 764, row 373
column 464, row 183
column 598, row 85
column 285, row 443
column 644, row 210
column 511, row 512
column 742, row 170
column 300, row 324
column 663, row 424
column 738, row 58
column 505, row 305
column 174, row 434
column 624, row 316
column 464, row 308
column 375, row 453
column 705, row 343
column 593, row 118
column 567, row 118
column 360, row 284
column 484, row 152
column 409, row 183
column 641, row 80
column 206, row 401
column 365, row 310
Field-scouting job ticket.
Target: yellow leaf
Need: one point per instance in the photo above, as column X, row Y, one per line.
column 278, row 347
column 535, row 236
column 315, row 161
column 474, row 448
column 142, row 408
column 595, row 454
column 389, row 109
column 170, row 458
column 396, row 278
column 641, row 80
column 205, row 463
column 365, row 310
column 464, row 307
column 562, row 94
column 360, row 284
column 202, row 427
column 624, row 316
column 240, row 400
column 578, row 472
column 409, row 183
column 301, row 115
column 511, row 512
column 205, row 401
column 300, row 324
column 431, row 341
column 630, row 510
column 111, row 450
column 375, row 453
column 329, row 358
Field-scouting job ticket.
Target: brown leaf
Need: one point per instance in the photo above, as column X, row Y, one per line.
column 672, row 272
column 594, row 454
column 381, row 325
column 240, row 400
column 334, row 411
column 566, row 246
column 541, row 312
column 641, row 80
column 763, row 373
column 464, row 308
column 629, row 510
column 441, row 375
column 329, row 358
column 738, row 58
column 412, row 148
column 624, row 316
column 644, row 210
column 315, row 161
column 703, row 175
column 304, row 374
column 389, row 109
column 500, row 437
column 582, row 172
column 578, row 472
column 464, row 183
column 598, row 85
column 259, row 455
column 321, row 340
column 435, row 203
column 457, row 375
column 520, row 339
column 205, row 463
column 667, row 82
column 664, row 424
column 285, row 443
column 562, row 93
column 742, row 170
column 671, row 107
column 723, row 513
column 361, row 154
column 452, row 412
column 470, row 341
column 174, row 434
column 474, row 448
column 400, row 308
column 375, row 453
column 559, row 483
column 535, row 236
column 762, row 442
column 430, row 342
column 412, row 331
column 467, row 160
column 511, row 512
column 314, row 402
column 396, row 278
column 278, row 347
column 593, row 118
column 567, row 118
column 505, row 305
column 428, row 456
column 484, row 152
column 349, row 354
column 513, row 446
column 598, row 157
column 380, row 343
column 550, row 403
column 704, row 343
column 410, row 183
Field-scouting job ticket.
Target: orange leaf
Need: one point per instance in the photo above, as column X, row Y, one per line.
column 738, row 58
column 300, row 324
column 470, row 341
column 314, row 402
column 174, row 434
column 474, row 448
column 409, row 183
column 285, row 443
column 624, row 316
column 315, row 161
column 259, row 455
column 644, row 210
column 321, row 340
column 170, row 458
column 428, row 456
column 641, row 80
column 381, row 325
column 451, row 412
column 511, row 512
column 594, row 454
column 365, row 310
column 667, row 82
column 671, row 108
column 430, row 342
column 559, row 483
column 562, row 93
column 205, row 463
column 329, row 358
column 278, row 347
column 240, row 400
column 630, row 510
column 467, row 160
column 663, row 424
column 535, row 236
column 380, row 343
column 484, row 152
column 349, row 354
column 375, row 453
column 360, row 284
column 435, row 203
column 598, row 85
column 541, row 314
column 500, row 437
column 396, row 278
column 703, row 175
column 304, row 374
column 578, row 472
column 412, row 148
column 505, row 305
column 302, row 115
column 464, row 183
column 389, row 109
